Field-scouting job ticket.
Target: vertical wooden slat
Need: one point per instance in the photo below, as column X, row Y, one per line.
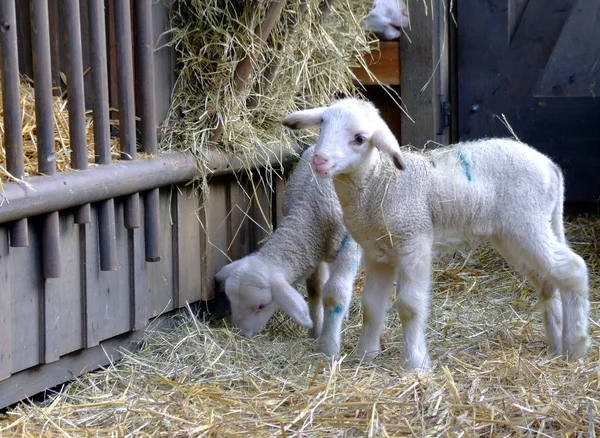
column 54, row 45
column 261, row 210
column 126, row 94
column 138, row 279
column 216, row 233
column 100, row 105
column 5, row 308
column 42, row 77
column 147, row 104
column 11, row 102
column 69, row 13
column 238, row 239
column 186, row 247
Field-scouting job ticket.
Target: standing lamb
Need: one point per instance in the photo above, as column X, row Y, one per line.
column 387, row 18
column 311, row 242
column 497, row 190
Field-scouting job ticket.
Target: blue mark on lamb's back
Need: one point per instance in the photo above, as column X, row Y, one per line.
column 343, row 244
column 465, row 163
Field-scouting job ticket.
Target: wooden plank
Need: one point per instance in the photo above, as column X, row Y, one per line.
column 63, row 296
column 164, row 58
column 25, row 306
column 215, row 249
column 33, row 381
column 384, row 64
column 160, row 274
column 138, row 276
column 261, row 209
column 108, row 302
column 423, row 64
column 24, row 37
column 187, row 249
column 238, row 232
column 5, row 308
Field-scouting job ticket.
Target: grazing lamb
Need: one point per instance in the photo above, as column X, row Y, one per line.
column 311, row 242
column 497, row 190
column 387, row 18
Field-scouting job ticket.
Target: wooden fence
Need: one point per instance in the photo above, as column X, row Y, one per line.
column 89, row 257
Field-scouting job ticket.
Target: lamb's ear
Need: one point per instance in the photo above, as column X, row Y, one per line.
column 290, row 301
column 226, row 271
column 304, row 119
column 384, row 140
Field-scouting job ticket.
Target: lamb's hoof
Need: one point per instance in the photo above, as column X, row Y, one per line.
column 328, row 350
column 416, row 364
column 367, row 354
column 577, row 351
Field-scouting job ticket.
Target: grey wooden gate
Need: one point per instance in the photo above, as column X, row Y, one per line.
column 536, row 62
column 88, row 257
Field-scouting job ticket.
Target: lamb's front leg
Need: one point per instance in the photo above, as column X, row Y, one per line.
column 379, row 284
column 337, row 294
column 412, row 303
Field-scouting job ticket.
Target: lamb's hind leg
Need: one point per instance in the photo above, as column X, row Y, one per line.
column 549, row 301
column 314, row 290
column 557, row 264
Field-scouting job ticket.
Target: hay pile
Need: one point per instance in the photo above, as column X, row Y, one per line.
column 491, row 375
column 305, row 61
column 61, row 134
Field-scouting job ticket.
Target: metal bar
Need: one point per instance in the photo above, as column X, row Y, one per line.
column 42, row 77
column 11, row 102
column 100, row 106
column 147, row 105
column 125, row 85
column 48, row 193
column 69, row 11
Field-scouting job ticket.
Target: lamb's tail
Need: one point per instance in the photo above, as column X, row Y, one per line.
column 557, row 221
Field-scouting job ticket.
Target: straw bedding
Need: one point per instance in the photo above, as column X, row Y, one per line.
column 491, row 376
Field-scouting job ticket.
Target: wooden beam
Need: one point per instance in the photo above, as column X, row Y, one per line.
column 384, row 64
column 424, row 82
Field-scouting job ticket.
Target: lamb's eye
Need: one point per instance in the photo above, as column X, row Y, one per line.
column 261, row 306
column 321, row 122
column 359, row 139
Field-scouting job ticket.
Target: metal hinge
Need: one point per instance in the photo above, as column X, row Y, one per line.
column 445, row 115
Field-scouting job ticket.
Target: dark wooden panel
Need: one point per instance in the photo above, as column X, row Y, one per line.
column 25, row 305
column 164, row 58
column 498, row 77
column 261, row 209
column 5, row 308
column 238, row 241
column 24, row 37
column 390, row 112
column 187, row 249
column 160, row 274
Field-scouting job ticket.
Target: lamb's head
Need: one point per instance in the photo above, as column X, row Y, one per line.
column 387, row 18
column 255, row 292
column 351, row 131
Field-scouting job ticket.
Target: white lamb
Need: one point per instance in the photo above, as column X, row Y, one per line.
column 387, row 18
column 311, row 242
column 497, row 190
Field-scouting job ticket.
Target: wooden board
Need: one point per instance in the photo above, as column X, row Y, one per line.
column 160, row 274
column 5, row 308
column 187, row 251
column 424, row 80
column 64, row 295
column 215, row 251
column 383, row 63
column 27, row 310
column 262, row 195
column 138, row 275
column 238, row 239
